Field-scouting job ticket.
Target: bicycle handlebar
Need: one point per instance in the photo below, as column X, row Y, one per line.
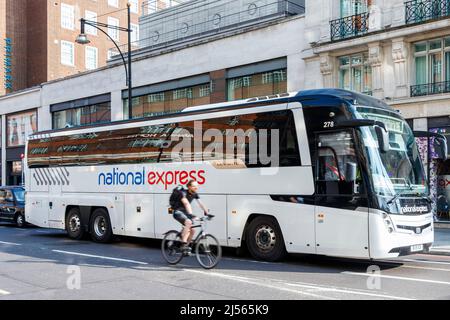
column 206, row 217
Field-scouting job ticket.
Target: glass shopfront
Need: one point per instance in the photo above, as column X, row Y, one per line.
column 19, row 126
column 438, row 170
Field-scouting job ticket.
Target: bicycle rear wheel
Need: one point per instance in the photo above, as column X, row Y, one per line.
column 170, row 247
column 208, row 251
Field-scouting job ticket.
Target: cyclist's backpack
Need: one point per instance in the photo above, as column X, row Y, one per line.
column 175, row 198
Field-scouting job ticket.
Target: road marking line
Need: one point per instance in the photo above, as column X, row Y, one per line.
column 10, row 243
column 100, row 257
column 395, row 277
column 348, row 291
column 258, row 283
column 3, row 292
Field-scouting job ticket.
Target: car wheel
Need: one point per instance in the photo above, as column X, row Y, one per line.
column 20, row 220
column 74, row 226
column 265, row 240
column 100, row 226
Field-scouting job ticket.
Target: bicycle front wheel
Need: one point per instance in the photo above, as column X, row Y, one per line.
column 170, row 247
column 208, row 251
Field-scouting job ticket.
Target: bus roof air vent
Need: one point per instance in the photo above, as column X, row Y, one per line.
column 273, row 96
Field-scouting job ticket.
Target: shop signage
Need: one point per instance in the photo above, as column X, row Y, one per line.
column 7, row 63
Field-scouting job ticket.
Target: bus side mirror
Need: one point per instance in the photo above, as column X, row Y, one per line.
column 440, row 147
column 350, row 172
column 383, row 139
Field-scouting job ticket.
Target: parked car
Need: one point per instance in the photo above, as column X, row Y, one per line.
column 12, row 205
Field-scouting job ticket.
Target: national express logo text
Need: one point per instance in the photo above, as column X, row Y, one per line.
column 152, row 178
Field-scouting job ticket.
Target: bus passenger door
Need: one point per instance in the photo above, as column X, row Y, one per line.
column 341, row 211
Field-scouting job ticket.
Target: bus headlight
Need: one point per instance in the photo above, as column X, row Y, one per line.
column 388, row 223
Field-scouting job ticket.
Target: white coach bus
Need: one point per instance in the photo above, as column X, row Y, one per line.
column 348, row 181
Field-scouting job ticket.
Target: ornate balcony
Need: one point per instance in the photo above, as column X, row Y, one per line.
column 420, row 11
column 349, row 27
column 430, row 89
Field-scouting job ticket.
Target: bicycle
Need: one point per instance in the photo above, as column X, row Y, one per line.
column 206, row 247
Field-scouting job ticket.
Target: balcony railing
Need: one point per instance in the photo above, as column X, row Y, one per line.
column 430, row 89
column 349, row 27
column 423, row 10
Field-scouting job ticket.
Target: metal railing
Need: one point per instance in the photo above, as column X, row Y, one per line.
column 417, row 11
column 430, row 89
column 176, row 26
column 349, row 27
column 152, row 6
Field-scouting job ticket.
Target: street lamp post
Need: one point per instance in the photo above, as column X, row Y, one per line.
column 83, row 39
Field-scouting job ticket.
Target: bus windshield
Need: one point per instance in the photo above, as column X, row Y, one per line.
column 399, row 170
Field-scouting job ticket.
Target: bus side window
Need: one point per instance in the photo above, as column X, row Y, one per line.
column 334, row 151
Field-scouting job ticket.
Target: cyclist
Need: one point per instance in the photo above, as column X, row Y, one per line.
column 183, row 212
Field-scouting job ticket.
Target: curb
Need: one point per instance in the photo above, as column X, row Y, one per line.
column 438, row 252
column 440, row 225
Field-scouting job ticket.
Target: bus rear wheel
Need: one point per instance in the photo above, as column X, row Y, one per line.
column 74, row 227
column 265, row 240
column 100, row 226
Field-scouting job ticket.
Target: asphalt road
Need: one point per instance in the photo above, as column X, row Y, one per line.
column 45, row 264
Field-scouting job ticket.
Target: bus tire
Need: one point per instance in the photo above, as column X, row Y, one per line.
column 265, row 240
column 100, row 226
column 19, row 220
column 74, row 225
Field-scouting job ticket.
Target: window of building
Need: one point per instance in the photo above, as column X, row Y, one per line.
column 135, row 33
column 151, row 6
column 355, row 73
column 91, row 58
column 170, row 101
column 110, row 53
column 67, row 53
column 205, row 90
column 92, row 16
column 19, row 126
column 67, row 16
column 98, row 113
column 353, row 7
column 113, row 33
column 156, row 97
column 432, row 61
column 186, row 93
column 113, row 3
column 134, row 6
column 260, row 84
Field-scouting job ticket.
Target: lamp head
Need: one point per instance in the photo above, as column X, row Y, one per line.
column 82, row 39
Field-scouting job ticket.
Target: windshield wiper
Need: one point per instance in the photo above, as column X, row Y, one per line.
column 400, row 193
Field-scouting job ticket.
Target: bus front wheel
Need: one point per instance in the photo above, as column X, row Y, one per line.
column 100, row 226
column 265, row 240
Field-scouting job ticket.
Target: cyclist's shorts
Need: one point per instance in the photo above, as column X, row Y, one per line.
column 181, row 216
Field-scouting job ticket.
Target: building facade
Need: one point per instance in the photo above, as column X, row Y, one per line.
column 37, row 38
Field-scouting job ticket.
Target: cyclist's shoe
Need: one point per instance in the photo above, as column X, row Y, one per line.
column 186, row 249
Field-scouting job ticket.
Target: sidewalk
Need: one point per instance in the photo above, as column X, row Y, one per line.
column 441, row 243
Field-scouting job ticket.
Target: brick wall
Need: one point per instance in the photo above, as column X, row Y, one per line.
column 15, row 29
column 100, row 41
